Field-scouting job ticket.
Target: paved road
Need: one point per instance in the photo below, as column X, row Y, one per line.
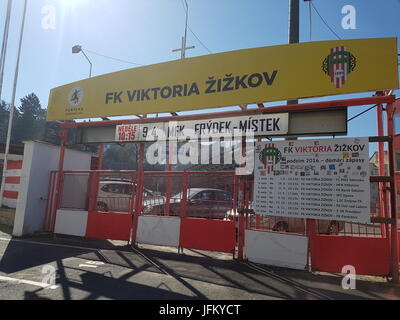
column 103, row 270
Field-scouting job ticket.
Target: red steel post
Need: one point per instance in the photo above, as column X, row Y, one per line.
column 241, row 221
column 63, row 138
column 169, row 179
column 93, row 191
column 381, row 159
column 235, row 196
column 139, row 196
column 311, row 233
column 185, row 185
column 101, row 154
column 49, row 203
column 393, row 194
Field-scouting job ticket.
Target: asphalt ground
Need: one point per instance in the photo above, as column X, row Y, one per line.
column 87, row 269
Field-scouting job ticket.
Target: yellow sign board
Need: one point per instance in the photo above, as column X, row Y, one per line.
column 246, row 76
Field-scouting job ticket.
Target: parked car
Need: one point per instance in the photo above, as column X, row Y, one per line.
column 115, row 195
column 293, row 225
column 298, row 225
column 201, row 203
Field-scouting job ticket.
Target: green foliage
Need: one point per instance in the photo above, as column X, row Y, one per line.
column 3, row 120
column 120, row 157
column 29, row 122
column 31, row 119
column 125, row 157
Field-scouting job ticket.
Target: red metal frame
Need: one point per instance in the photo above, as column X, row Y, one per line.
column 243, row 220
column 50, row 202
column 101, row 154
column 393, row 193
column 381, row 157
column 139, row 197
column 276, row 109
column 185, row 186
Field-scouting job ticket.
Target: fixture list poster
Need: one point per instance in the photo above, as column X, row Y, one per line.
column 325, row 179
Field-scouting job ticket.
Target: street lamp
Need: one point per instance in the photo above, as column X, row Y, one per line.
column 78, row 49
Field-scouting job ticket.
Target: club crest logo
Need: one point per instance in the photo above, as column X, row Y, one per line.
column 270, row 156
column 338, row 65
column 75, row 97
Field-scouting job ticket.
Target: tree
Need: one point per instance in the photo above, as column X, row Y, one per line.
column 125, row 157
column 4, row 114
column 120, row 157
column 4, row 117
column 30, row 123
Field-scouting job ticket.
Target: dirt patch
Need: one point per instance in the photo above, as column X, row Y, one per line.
column 7, row 217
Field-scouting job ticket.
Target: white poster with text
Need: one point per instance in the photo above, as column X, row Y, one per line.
column 324, row 179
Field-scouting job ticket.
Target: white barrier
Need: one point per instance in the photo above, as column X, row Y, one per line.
column 159, row 230
column 12, row 182
column 276, row 249
column 71, row 222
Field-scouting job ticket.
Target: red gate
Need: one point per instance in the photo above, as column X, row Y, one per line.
column 367, row 247
column 204, row 203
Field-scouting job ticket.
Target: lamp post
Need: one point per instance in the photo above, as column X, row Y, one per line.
column 184, row 48
column 12, row 107
column 78, row 49
column 4, row 46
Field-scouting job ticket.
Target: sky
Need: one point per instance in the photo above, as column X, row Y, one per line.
column 146, row 31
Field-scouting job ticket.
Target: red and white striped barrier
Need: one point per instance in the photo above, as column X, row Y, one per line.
column 12, row 183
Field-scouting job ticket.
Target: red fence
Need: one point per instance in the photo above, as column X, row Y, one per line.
column 205, row 234
column 205, row 202
column 109, row 225
column 333, row 244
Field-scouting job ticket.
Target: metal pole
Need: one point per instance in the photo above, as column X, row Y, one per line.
column 91, row 66
column 393, row 205
column 171, row 151
column 4, row 46
column 294, row 28
column 101, row 155
column 60, row 176
column 184, row 48
column 381, row 167
column 139, row 196
column 186, row 25
column 310, row 16
column 10, row 120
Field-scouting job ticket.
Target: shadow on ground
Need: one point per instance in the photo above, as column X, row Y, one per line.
column 6, row 230
column 198, row 272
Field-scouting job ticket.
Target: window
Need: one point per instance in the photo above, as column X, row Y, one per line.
column 205, row 195
column 397, row 123
column 148, row 193
column 224, row 196
column 113, row 188
column 128, row 189
column 397, row 161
